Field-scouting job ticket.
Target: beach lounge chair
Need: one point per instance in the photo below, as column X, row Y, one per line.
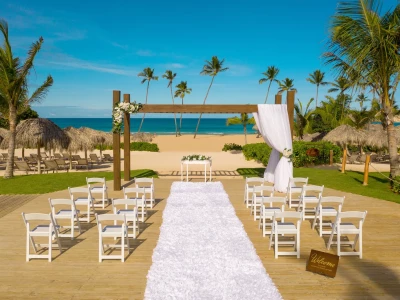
column 57, row 156
column 43, row 155
column 340, row 228
column 112, row 231
column 82, row 197
column 259, row 194
column 108, row 157
column 128, row 208
column 295, row 186
column 248, row 188
column 269, row 206
column 66, row 156
column 327, row 207
column 4, row 156
column 31, row 161
column 310, row 194
column 23, row 166
column 50, row 165
column 75, row 157
column 98, row 186
column 94, row 159
column 353, row 158
column 282, row 228
column 69, row 212
column 148, row 185
column 82, row 163
column 133, row 194
column 49, row 230
column 61, row 164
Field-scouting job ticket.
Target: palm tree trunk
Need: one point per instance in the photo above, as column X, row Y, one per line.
column 9, row 173
column 39, row 160
column 147, row 93
column 316, row 98
column 180, row 123
column 173, row 103
column 269, row 86
column 204, row 102
column 392, row 143
column 245, row 133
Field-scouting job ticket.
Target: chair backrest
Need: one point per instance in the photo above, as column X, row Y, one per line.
column 76, row 157
column 50, row 164
column 5, row 155
column 82, row 161
column 34, row 155
column 38, row 217
column 54, row 202
column 60, row 162
column 261, row 189
column 79, row 190
column 274, row 200
column 136, row 190
column 93, row 156
column 66, row 155
column 250, row 180
column 360, row 215
column 110, row 217
column 108, row 156
column 96, row 180
column 332, row 199
column 125, row 202
column 318, row 189
column 22, row 165
column 57, row 155
column 288, row 214
column 43, row 154
column 298, row 181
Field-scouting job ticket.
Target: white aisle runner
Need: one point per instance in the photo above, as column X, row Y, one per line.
column 203, row 251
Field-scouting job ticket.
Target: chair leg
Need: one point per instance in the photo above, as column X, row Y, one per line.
column 72, row 227
column 298, row 243
column 123, row 247
column 101, row 249
column 79, row 223
column 276, row 245
column 28, row 238
column 50, row 246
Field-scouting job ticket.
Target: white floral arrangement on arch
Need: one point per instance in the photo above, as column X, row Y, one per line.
column 194, row 157
column 118, row 112
column 288, row 153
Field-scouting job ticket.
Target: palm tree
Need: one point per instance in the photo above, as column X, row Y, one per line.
column 211, row 68
column 14, row 91
column 181, row 92
column 361, row 98
column 364, row 42
column 286, row 85
column 148, row 75
column 270, row 75
column 317, row 78
column 302, row 117
column 341, row 85
column 170, row 77
column 243, row 120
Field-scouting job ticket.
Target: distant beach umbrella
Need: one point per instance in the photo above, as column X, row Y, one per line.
column 377, row 136
column 98, row 138
column 38, row 133
column 345, row 134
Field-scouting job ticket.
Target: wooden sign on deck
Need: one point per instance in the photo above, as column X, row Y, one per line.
column 322, row 263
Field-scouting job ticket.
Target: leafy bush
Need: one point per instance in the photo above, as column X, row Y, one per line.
column 261, row 152
column 396, row 185
column 231, row 146
column 135, row 146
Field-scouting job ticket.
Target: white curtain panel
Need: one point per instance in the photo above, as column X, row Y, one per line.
column 273, row 123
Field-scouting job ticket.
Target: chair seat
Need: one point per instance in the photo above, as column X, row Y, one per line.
column 130, row 214
column 296, row 189
column 311, row 199
column 348, row 228
column 329, row 211
column 269, row 211
column 286, row 228
column 66, row 213
column 112, row 230
column 82, row 201
column 97, row 189
column 41, row 230
column 259, row 199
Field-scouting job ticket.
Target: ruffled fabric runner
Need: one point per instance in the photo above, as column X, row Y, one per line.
column 203, row 251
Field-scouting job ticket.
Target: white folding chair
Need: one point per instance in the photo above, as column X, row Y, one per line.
column 259, row 194
column 280, row 227
column 295, row 186
column 148, row 185
column 341, row 228
column 83, row 197
column 70, row 213
column 98, row 186
column 140, row 200
column 269, row 206
column 112, row 231
column 49, row 230
column 248, row 188
column 130, row 211
column 310, row 195
column 326, row 208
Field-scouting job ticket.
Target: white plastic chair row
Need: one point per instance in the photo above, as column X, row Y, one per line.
column 251, row 182
column 260, row 193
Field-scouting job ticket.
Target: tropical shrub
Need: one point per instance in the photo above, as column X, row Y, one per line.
column 261, row 152
column 232, row 146
column 396, row 185
column 135, row 146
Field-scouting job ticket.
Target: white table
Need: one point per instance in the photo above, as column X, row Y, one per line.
column 196, row 162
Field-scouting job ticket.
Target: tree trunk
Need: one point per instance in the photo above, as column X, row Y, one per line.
column 173, row 103
column 9, row 173
column 180, row 123
column 269, row 86
column 316, row 98
column 39, row 160
column 147, row 93
column 392, row 143
column 204, row 102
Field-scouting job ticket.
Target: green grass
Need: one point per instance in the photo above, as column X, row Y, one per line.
column 351, row 182
column 46, row 183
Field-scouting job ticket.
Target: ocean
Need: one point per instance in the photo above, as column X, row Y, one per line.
column 158, row 125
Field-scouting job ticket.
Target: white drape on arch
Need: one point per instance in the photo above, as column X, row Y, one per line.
column 273, row 123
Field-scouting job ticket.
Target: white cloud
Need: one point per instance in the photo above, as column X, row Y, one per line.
column 238, row 70
column 125, row 47
column 174, row 66
column 145, row 53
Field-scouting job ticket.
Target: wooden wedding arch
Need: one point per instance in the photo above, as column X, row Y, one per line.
column 177, row 108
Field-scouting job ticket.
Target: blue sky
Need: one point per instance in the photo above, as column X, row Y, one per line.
column 91, row 49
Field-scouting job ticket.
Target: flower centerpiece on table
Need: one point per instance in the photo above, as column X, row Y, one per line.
column 118, row 112
column 288, row 153
column 196, row 157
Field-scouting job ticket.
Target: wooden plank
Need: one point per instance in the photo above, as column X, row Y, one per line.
column 127, row 141
column 199, row 108
column 116, row 146
column 278, row 99
column 290, row 108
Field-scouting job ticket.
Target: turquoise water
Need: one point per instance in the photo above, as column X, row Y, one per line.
column 158, row 125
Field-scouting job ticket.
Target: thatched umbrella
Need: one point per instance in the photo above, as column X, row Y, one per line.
column 37, row 133
column 78, row 141
column 345, row 134
column 98, row 138
column 3, row 133
column 377, row 136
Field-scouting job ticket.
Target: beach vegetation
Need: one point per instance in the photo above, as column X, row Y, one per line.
column 170, row 76
column 134, row 146
column 181, row 91
column 317, row 78
column 14, row 88
column 232, row 147
column 286, row 85
column 364, row 46
column 47, row 183
column 211, row 68
column 302, row 118
column 28, row 113
column 270, row 76
column 244, row 120
column 148, row 75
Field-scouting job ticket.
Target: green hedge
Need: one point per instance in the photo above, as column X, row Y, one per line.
column 261, row 153
column 135, row 146
column 396, row 185
column 231, row 146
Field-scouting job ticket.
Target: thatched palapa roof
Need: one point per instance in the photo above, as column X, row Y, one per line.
column 97, row 136
column 78, row 141
column 377, row 136
column 345, row 134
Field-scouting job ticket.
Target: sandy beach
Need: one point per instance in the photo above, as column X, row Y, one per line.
column 172, row 149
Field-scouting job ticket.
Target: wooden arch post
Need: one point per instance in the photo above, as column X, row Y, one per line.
column 116, row 148
column 127, row 141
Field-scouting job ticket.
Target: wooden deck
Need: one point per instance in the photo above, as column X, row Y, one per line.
column 77, row 274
